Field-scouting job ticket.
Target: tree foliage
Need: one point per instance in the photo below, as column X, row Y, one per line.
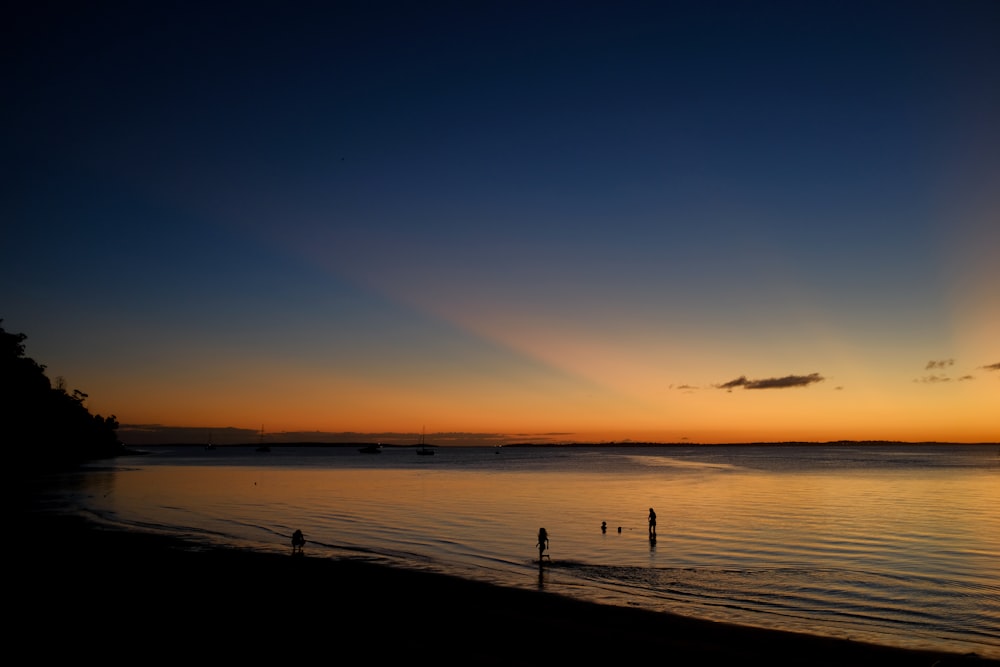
column 46, row 427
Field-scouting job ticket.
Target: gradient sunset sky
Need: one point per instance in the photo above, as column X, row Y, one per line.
column 548, row 221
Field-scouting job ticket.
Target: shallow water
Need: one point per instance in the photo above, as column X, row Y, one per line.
column 895, row 544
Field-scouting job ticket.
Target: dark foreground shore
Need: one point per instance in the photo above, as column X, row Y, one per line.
column 124, row 596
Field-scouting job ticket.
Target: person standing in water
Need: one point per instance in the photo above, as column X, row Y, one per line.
column 298, row 541
column 652, row 521
column 543, row 544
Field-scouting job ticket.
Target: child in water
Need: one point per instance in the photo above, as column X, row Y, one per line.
column 298, row 541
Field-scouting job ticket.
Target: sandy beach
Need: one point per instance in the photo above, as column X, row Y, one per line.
column 108, row 591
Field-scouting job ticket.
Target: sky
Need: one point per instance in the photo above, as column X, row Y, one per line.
column 491, row 222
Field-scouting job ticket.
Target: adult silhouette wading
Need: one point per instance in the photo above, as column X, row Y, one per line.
column 543, row 544
column 652, row 522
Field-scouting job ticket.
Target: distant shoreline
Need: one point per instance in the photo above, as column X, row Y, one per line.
column 385, row 445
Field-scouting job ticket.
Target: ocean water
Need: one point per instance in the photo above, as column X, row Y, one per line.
column 892, row 544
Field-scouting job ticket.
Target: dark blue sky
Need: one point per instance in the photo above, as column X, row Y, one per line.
column 573, row 217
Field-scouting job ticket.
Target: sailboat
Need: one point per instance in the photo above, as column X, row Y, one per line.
column 262, row 447
column 209, row 444
column 423, row 449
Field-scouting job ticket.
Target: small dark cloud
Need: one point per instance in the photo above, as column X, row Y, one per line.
column 933, row 379
column 741, row 381
column 941, row 378
column 773, row 383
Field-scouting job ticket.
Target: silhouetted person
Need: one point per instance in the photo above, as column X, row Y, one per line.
column 543, row 544
column 652, row 521
column 298, row 541
column 604, row 526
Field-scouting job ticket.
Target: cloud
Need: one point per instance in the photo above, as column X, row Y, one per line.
column 741, row 381
column 940, row 378
column 773, row 383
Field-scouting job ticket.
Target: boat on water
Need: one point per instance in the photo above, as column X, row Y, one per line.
column 209, row 445
column 263, row 447
column 423, row 449
column 371, row 449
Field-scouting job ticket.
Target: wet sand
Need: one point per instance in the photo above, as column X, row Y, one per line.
column 135, row 596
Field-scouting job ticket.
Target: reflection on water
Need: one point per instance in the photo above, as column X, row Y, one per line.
column 895, row 545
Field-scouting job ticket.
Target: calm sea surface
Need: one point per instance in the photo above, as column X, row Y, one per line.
column 893, row 544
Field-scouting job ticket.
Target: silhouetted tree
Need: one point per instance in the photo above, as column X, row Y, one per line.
column 45, row 427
